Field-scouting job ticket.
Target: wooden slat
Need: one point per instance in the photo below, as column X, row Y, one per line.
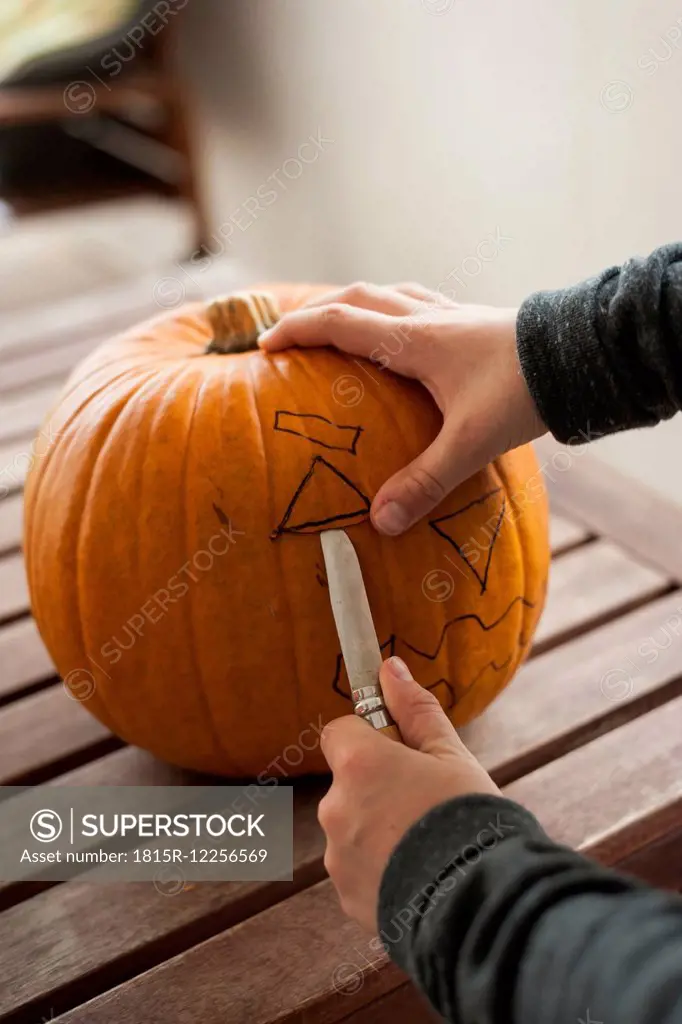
column 14, row 598
column 15, row 460
column 609, row 503
column 658, row 861
column 304, row 943
column 564, row 534
column 11, row 519
column 104, row 312
column 633, row 779
column 23, row 658
column 45, row 733
column 23, row 413
column 591, row 584
column 263, row 986
column 575, row 692
column 26, row 371
column 129, row 766
column 88, row 315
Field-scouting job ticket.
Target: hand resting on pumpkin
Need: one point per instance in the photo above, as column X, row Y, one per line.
column 382, row 788
column 465, row 355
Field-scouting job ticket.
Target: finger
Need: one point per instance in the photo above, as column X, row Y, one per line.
column 416, row 490
column 345, row 737
column 421, row 294
column 367, row 296
column 422, row 722
column 356, row 331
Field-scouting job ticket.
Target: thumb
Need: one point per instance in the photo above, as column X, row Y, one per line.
column 421, row 720
column 416, row 490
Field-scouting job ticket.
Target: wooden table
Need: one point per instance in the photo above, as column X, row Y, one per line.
column 588, row 736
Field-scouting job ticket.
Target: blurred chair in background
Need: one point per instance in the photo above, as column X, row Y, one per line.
column 92, row 106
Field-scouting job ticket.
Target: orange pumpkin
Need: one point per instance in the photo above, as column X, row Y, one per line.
column 174, row 562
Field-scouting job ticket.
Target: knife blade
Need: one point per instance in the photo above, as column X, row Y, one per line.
column 355, row 628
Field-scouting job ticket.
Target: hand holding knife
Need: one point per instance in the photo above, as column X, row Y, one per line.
column 357, row 635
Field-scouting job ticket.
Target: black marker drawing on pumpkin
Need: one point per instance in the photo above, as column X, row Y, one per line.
column 390, row 646
column 497, row 519
column 358, row 503
column 334, row 436
column 222, row 516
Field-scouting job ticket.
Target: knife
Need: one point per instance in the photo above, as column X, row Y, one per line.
column 357, row 635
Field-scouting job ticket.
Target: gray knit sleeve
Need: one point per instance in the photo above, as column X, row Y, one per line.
column 606, row 355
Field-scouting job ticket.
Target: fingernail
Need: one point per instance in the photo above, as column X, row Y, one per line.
column 391, row 519
column 400, row 669
column 263, row 338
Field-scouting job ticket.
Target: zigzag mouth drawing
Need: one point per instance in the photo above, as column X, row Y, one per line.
column 447, row 687
column 486, row 627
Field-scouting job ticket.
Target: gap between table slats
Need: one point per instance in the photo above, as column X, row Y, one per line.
column 14, row 599
column 591, row 585
column 45, row 734
column 404, row 1005
column 11, row 519
column 24, row 661
column 564, row 534
column 15, row 460
column 659, row 861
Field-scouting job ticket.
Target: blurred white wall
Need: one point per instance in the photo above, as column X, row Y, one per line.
column 556, row 124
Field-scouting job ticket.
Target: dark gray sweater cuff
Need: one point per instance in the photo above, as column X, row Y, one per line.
column 605, row 355
column 558, row 350
column 436, row 855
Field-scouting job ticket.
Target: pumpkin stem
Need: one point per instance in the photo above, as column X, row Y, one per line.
column 238, row 320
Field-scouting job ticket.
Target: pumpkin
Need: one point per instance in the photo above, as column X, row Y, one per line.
column 172, row 548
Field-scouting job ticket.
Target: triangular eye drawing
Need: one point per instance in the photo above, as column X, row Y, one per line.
column 323, row 481
column 472, row 540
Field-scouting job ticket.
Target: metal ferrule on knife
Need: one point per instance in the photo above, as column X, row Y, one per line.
column 368, row 703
